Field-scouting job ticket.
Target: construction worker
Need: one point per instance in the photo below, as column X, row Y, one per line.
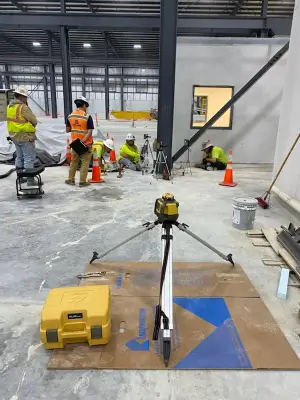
column 129, row 155
column 215, row 158
column 21, row 126
column 102, row 147
column 81, row 126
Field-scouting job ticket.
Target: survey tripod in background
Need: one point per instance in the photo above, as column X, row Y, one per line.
column 147, row 155
column 166, row 210
column 186, row 165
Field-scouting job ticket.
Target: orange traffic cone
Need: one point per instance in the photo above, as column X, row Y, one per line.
column 228, row 177
column 107, row 135
column 68, row 152
column 112, row 155
column 133, row 124
column 96, row 171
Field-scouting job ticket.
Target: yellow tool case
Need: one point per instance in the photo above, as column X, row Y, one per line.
column 76, row 314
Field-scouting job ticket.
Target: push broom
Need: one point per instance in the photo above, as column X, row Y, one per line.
column 264, row 200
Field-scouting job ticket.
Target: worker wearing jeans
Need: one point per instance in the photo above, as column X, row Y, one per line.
column 21, row 123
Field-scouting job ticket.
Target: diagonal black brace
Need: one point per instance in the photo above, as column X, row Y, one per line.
column 232, row 101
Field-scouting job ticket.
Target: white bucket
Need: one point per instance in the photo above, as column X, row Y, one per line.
column 244, row 209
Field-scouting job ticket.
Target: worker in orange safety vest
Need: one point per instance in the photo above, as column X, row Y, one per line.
column 81, row 126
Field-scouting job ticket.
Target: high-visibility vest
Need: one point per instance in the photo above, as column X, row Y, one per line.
column 78, row 121
column 15, row 121
column 99, row 146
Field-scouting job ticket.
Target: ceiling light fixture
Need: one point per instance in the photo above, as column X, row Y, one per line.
column 87, row 45
column 137, row 46
column 36, row 44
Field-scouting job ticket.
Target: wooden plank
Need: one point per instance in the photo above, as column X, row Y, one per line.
column 260, row 242
column 277, row 262
column 271, row 236
column 255, row 233
column 283, row 283
column 291, row 262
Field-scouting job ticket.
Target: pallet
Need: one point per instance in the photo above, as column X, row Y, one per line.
column 268, row 237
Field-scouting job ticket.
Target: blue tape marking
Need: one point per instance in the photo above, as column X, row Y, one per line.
column 142, row 324
column 212, row 310
column 134, row 345
column 140, row 344
column 222, row 349
column 119, row 281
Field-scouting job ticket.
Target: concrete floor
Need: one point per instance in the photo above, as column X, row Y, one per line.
column 46, row 243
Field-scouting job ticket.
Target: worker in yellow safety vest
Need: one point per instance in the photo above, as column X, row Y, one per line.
column 102, row 147
column 21, row 126
column 80, row 124
column 129, row 154
column 214, row 159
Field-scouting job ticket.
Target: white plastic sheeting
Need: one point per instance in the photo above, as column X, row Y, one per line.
column 51, row 136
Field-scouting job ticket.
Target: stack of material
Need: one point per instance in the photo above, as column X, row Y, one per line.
column 286, row 245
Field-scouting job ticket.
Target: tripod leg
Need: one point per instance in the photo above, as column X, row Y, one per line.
column 166, row 325
column 183, row 228
column 97, row 256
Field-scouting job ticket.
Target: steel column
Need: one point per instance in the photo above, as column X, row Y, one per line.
column 264, row 14
column 167, row 49
column 52, row 83
column 66, row 70
column 1, row 82
column 6, row 78
column 232, row 101
column 83, row 82
column 106, row 68
column 46, row 94
column 122, row 89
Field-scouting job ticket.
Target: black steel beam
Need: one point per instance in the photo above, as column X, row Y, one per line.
column 15, row 43
column 66, row 70
column 112, row 46
column 122, row 90
column 133, row 24
column 1, row 81
column 88, row 3
column 238, row 5
column 46, row 94
column 6, row 77
column 83, row 89
column 18, row 5
column 81, row 75
column 290, row 244
column 167, row 51
column 80, row 61
column 52, row 82
column 106, row 69
column 233, row 100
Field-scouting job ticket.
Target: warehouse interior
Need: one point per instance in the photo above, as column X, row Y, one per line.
column 183, row 73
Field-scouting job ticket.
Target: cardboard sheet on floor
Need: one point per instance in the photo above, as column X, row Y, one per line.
column 189, row 279
column 210, row 333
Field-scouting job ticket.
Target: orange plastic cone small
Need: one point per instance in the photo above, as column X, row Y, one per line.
column 96, row 171
column 133, row 124
column 107, row 135
column 112, row 155
column 68, row 152
column 228, row 177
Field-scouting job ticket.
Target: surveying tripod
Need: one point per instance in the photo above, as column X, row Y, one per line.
column 166, row 209
column 145, row 151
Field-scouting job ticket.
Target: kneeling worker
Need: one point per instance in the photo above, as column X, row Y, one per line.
column 81, row 126
column 216, row 158
column 129, row 154
column 102, row 147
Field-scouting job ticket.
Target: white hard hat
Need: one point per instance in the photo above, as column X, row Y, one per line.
column 130, row 136
column 207, row 146
column 109, row 143
column 21, row 90
column 82, row 98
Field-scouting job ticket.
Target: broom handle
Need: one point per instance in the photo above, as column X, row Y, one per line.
column 284, row 162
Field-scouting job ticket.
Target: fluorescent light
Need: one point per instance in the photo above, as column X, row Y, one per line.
column 137, row 46
column 87, row 45
column 36, row 44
